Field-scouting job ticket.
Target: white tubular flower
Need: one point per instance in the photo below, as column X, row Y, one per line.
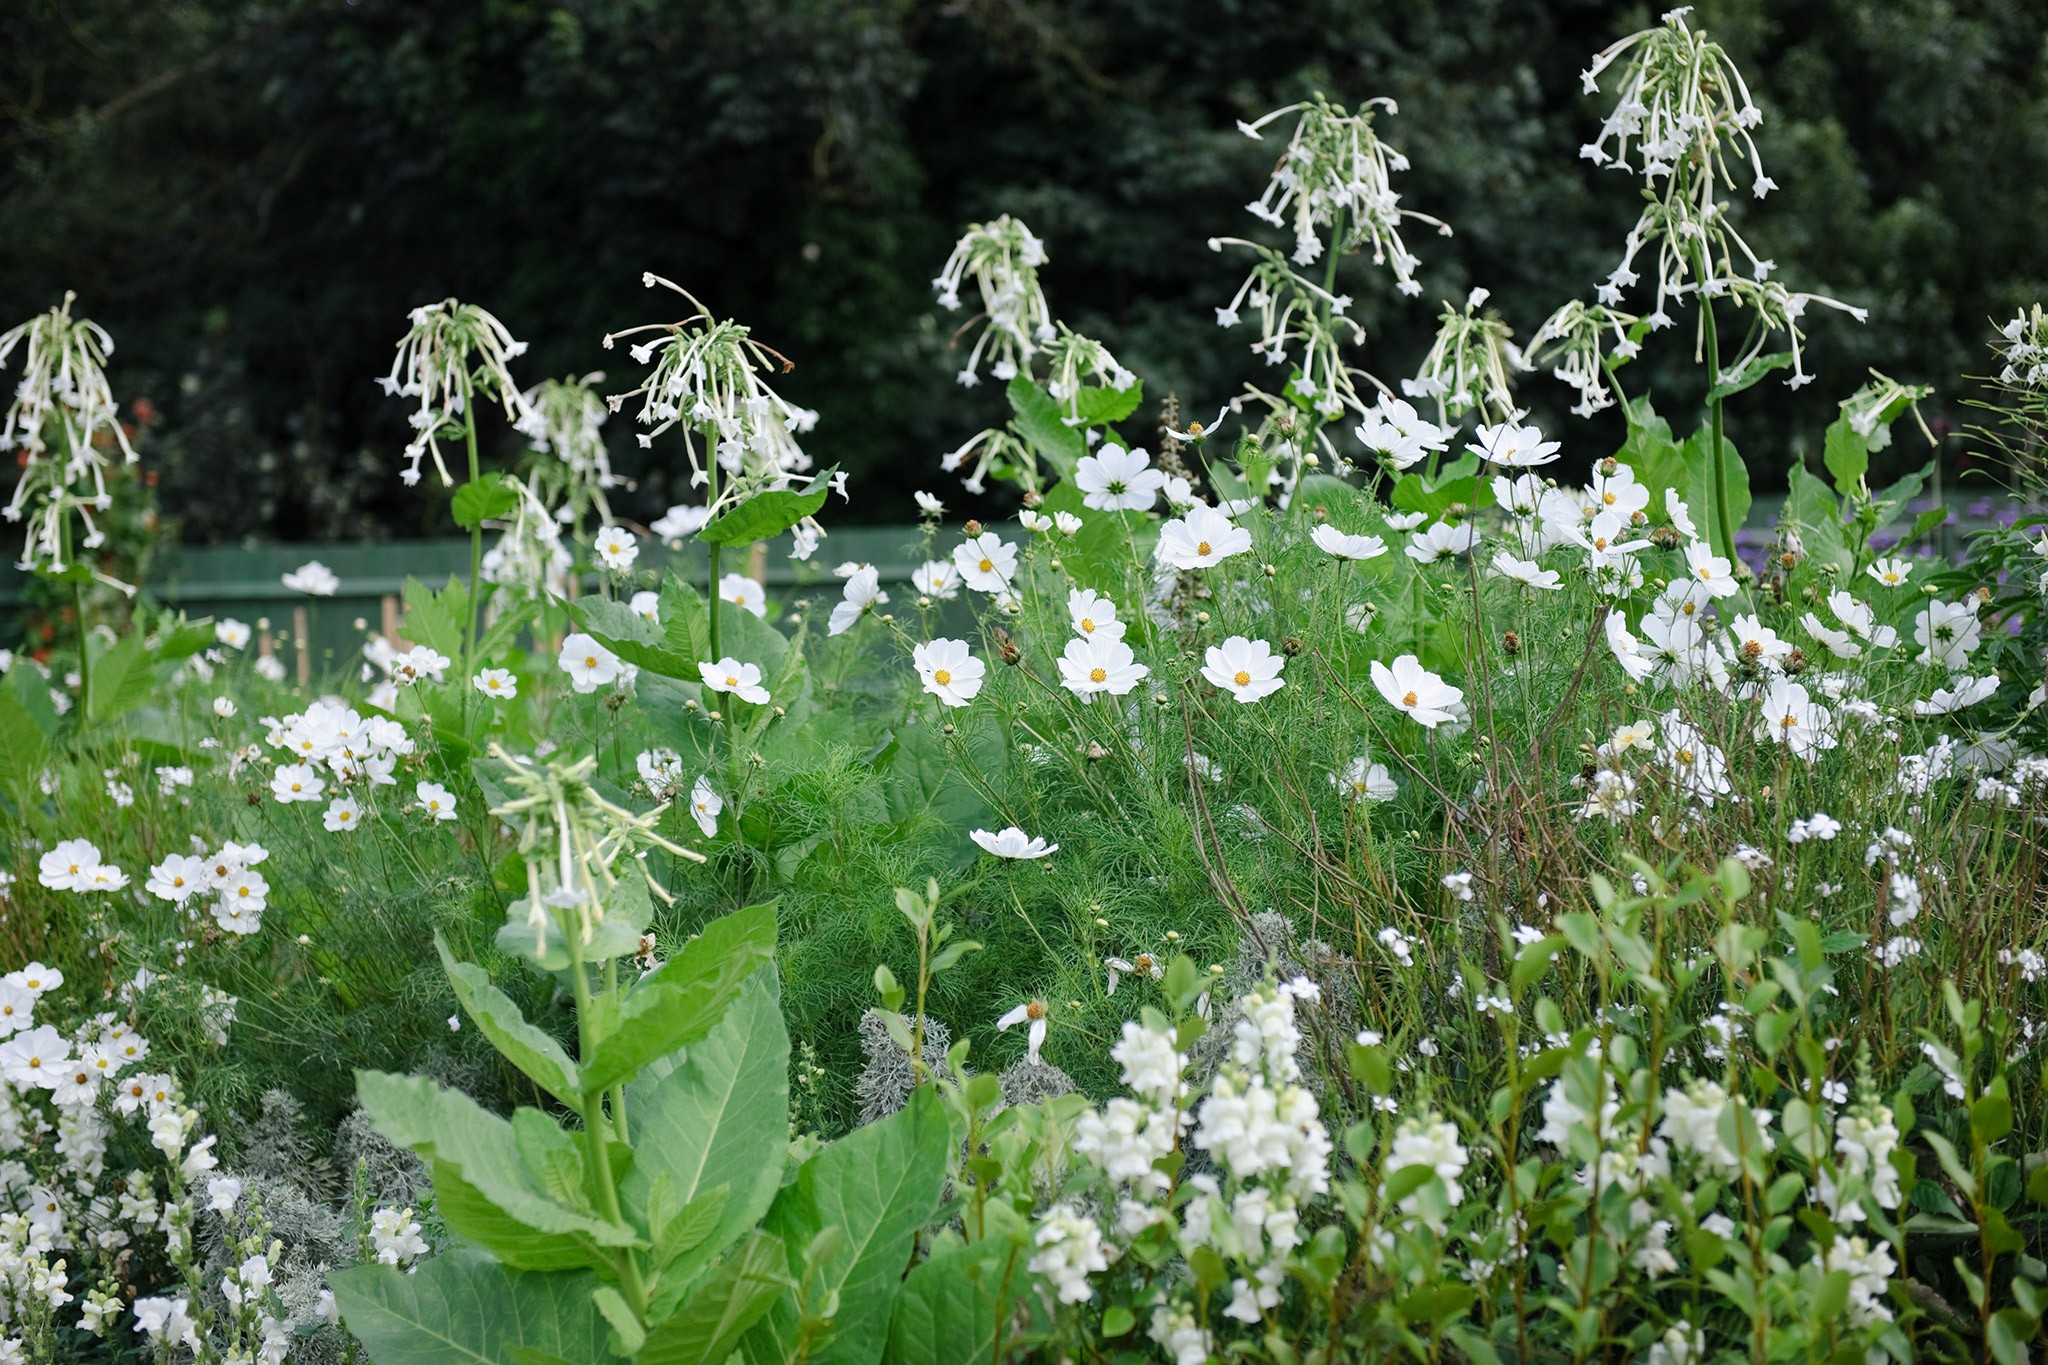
column 707, row 379
column 1335, row 174
column 61, row 405
column 563, row 424
column 1575, row 341
column 1001, row 258
column 453, row 353
column 1471, row 365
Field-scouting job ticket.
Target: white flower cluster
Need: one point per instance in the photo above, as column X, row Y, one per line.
column 2022, row 347
column 452, row 353
column 563, row 422
column 1001, row 258
column 240, row 893
column 61, row 407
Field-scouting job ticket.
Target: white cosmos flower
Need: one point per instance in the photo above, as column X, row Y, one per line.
column 496, row 682
column 177, row 878
column 1247, row 669
column 730, row 675
column 64, row 867
column 343, row 813
column 928, row 504
column 1619, row 492
column 1032, row 1013
column 647, row 606
column 434, row 799
column 1013, row 843
column 232, row 633
column 1793, row 719
column 1628, row 651
column 1427, row 698
column 1680, row 514
column 1526, row 571
column 314, row 579
column 1947, row 633
column 863, row 590
column 1394, row 429
column 1891, row 572
column 1442, row 540
column 589, row 664
column 1406, row 521
column 1840, row 643
column 1517, row 446
column 985, row 563
column 1118, row 480
column 1960, row 692
column 679, row 523
column 1095, row 664
column 34, row 1057
column 1714, row 574
column 1362, row 781
column 1093, row 615
column 1200, row 539
column 1861, row 621
column 616, row 548
column 938, row 579
column 1332, row 541
column 705, row 805
column 1066, row 523
column 949, row 671
column 744, row 593
column 296, row 782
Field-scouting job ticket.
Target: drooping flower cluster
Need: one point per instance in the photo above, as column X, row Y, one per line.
column 564, row 425
column 454, row 354
column 64, row 422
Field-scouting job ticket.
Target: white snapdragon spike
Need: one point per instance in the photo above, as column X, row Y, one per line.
column 1095, row 665
column 1409, row 687
column 1576, row 341
column 729, row 675
column 1335, row 176
column 863, row 593
column 1069, row 1249
column 1338, row 545
column 563, row 422
column 1471, row 366
column 707, row 378
column 1201, row 539
column 61, row 406
column 1001, row 259
column 1682, row 118
column 1013, row 843
column 948, row 670
column 1247, row 669
column 453, row 354
column 1118, row 480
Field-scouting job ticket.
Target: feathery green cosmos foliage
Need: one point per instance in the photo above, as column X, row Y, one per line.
column 1316, row 887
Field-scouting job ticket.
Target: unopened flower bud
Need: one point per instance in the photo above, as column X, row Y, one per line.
column 1510, row 644
column 972, row 528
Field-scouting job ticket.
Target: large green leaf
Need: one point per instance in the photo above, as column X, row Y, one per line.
column 23, row 746
column 1846, row 455
column 122, row 678
column 766, row 515
column 462, row 1308
column 438, row 620
column 877, row 1187
column 683, row 999
column 452, row 1129
column 733, row 1299
column 952, row 1304
column 475, row 1219
column 530, row 1049
column 1698, row 451
column 1107, row 550
column 719, row 1117
column 483, row 499
column 1042, row 423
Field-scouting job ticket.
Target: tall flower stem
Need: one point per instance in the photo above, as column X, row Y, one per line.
column 476, row 552
column 1717, row 451
column 595, row 1126
column 711, row 595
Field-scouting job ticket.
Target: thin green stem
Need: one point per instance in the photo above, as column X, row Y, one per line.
column 591, row 1110
column 476, row 555
column 1724, row 530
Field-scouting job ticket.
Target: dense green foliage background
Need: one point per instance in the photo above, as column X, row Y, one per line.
column 251, row 193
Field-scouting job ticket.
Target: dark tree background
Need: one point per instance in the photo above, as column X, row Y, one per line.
column 251, row 193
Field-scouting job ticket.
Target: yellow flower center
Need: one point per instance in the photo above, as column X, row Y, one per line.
column 1202, row 548
column 1410, row 699
column 941, row 677
column 590, row 661
column 1098, row 675
column 988, row 565
column 1088, row 625
column 1788, row 721
column 731, row 681
column 1243, row 678
column 1035, row 1010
